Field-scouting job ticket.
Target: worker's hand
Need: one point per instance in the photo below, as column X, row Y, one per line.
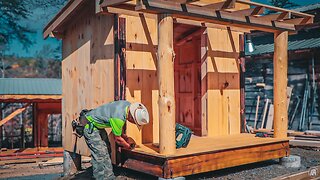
column 121, row 142
column 131, row 142
column 125, row 137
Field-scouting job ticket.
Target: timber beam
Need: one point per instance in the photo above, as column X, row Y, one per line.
column 13, row 114
column 228, row 4
column 106, row 3
column 249, row 12
column 189, row 11
column 177, row 166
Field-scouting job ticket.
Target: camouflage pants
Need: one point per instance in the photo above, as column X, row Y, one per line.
column 101, row 162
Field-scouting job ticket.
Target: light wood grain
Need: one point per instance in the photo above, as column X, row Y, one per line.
column 166, row 85
column 87, row 71
column 280, row 61
column 196, row 144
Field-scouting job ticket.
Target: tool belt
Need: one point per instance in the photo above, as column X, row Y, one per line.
column 80, row 123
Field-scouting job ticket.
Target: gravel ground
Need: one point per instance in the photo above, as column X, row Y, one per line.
column 260, row 171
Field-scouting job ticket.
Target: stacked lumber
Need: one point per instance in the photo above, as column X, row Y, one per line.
column 299, row 139
column 29, row 155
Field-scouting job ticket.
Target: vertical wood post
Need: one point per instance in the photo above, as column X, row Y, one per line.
column 35, row 138
column 43, row 129
column 280, row 61
column 166, row 101
column 242, row 67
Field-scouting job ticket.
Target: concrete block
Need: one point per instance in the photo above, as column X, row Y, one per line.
column 291, row 161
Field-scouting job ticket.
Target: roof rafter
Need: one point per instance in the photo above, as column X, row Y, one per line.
column 185, row 1
column 273, row 8
column 275, row 17
column 228, row 4
column 112, row 2
column 220, row 17
column 249, row 12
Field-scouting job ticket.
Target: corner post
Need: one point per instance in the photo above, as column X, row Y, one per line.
column 165, row 67
column 280, row 62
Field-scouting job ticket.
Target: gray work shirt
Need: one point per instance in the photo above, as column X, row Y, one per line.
column 112, row 115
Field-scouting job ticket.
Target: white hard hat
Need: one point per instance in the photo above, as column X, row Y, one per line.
column 139, row 113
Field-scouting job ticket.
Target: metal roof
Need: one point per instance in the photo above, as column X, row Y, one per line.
column 303, row 40
column 308, row 7
column 31, row 86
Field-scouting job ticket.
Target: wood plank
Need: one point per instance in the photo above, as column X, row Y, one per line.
column 218, row 17
column 296, row 13
column 142, row 84
column 305, row 143
column 256, row 113
column 87, row 71
column 13, row 114
column 112, row 2
column 310, row 132
column 147, row 168
column 270, row 117
column 266, row 105
column 213, row 144
column 223, row 101
column 274, row 17
column 228, row 4
column 62, row 16
column 299, row 21
column 185, row 1
column 313, row 172
column 214, row 161
column 209, row 25
column 249, row 12
column 289, row 93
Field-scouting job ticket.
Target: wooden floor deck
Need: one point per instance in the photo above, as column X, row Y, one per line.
column 205, row 154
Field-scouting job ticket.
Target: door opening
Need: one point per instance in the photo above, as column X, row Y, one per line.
column 187, row 76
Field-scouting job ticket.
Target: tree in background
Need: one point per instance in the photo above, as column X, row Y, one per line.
column 11, row 14
column 283, row 3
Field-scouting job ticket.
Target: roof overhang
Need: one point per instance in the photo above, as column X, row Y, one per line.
column 255, row 17
column 52, row 29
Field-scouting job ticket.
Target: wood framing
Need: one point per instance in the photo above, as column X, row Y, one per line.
column 183, row 165
column 180, row 59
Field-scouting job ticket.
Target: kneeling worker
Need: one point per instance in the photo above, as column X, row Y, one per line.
column 114, row 115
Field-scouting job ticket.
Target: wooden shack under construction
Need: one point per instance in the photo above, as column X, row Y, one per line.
column 180, row 59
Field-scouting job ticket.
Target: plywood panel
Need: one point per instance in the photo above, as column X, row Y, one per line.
column 87, row 71
column 220, row 70
column 142, row 81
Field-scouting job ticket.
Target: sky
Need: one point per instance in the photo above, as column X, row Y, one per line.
column 41, row 17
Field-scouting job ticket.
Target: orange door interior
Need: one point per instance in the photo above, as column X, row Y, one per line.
column 187, row 67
